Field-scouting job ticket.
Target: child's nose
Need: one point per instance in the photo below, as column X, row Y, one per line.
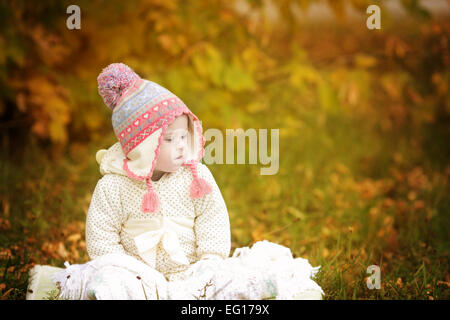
column 181, row 144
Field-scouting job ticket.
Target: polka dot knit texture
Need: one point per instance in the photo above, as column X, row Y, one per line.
column 117, row 198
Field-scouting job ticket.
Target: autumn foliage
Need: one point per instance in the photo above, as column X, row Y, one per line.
column 363, row 118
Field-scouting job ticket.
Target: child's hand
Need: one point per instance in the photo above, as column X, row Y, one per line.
column 203, row 267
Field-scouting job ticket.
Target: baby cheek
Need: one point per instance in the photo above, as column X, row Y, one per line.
column 165, row 153
column 165, row 158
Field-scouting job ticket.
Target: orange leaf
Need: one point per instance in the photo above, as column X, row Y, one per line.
column 74, row 237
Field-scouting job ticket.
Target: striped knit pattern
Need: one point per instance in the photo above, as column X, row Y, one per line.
column 144, row 111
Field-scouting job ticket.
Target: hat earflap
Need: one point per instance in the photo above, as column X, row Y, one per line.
column 199, row 187
column 150, row 202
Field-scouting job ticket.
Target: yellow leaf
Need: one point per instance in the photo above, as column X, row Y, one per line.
column 57, row 132
column 257, row 234
column 256, row 106
column 61, row 250
column 365, row 61
column 296, row 213
column 209, row 64
column 325, row 253
column 301, row 74
column 51, row 111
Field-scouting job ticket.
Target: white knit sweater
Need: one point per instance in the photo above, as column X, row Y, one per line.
column 201, row 226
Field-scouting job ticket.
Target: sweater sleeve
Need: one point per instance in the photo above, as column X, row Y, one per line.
column 212, row 224
column 103, row 222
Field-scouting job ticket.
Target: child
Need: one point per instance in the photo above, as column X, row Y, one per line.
column 153, row 181
column 158, row 204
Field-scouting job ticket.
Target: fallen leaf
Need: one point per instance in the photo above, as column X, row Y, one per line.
column 61, row 250
column 443, row 283
column 74, row 237
column 6, row 294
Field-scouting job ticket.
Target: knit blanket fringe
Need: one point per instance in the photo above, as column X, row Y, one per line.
column 264, row 271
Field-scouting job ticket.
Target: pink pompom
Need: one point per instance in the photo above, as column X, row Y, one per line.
column 150, row 203
column 199, row 188
column 113, row 81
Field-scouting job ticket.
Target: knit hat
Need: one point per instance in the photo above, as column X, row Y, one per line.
column 141, row 112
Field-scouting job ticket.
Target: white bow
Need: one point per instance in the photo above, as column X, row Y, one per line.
column 162, row 230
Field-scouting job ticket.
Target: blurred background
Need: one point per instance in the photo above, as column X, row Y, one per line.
column 363, row 118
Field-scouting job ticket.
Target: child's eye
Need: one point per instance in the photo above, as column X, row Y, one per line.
column 168, row 139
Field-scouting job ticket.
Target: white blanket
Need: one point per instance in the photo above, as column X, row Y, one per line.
column 111, row 277
column 265, row 271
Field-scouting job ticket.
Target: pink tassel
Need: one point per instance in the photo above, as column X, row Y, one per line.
column 199, row 188
column 150, row 202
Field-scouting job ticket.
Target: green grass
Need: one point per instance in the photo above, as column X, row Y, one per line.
column 364, row 132
column 334, row 201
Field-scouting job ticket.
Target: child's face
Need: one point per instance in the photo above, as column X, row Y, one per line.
column 174, row 145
